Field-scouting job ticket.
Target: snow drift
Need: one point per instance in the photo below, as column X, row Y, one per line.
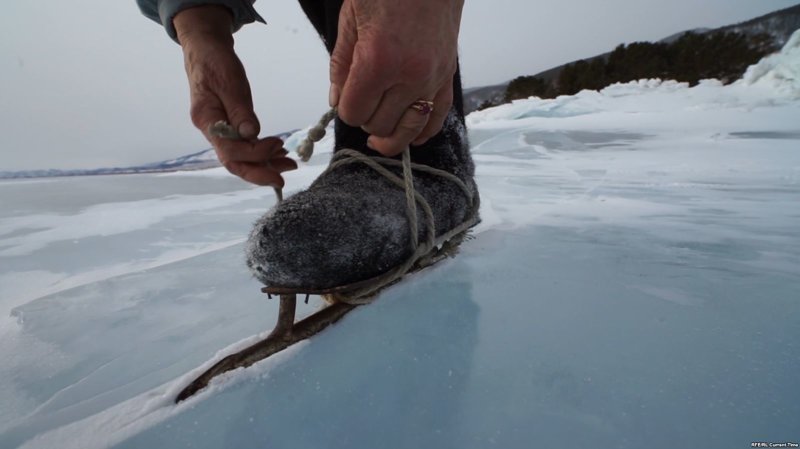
column 780, row 71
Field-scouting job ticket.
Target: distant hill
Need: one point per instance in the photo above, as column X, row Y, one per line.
column 779, row 25
column 476, row 96
column 195, row 161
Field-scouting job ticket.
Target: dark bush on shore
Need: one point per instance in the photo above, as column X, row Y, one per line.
column 691, row 58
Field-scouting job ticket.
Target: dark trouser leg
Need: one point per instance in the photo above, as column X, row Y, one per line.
column 324, row 15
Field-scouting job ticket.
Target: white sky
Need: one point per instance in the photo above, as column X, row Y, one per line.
column 92, row 83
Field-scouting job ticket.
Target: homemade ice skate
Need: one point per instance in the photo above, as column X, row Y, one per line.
column 344, row 298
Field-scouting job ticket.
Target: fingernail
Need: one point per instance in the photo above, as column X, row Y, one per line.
column 248, row 130
column 371, row 142
column 333, row 95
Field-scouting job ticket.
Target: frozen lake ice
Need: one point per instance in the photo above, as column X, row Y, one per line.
column 635, row 282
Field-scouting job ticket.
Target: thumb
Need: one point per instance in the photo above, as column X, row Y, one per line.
column 218, row 86
column 342, row 55
column 238, row 103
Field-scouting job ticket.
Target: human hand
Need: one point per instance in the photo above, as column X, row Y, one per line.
column 220, row 91
column 388, row 55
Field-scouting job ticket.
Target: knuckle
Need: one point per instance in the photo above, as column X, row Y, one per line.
column 407, row 128
column 339, row 67
column 406, row 134
column 413, row 122
column 238, row 113
column 349, row 116
column 384, row 131
column 378, row 129
column 418, row 68
column 386, row 149
column 375, row 59
column 197, row 112
column 224, row 157
column 235, row 168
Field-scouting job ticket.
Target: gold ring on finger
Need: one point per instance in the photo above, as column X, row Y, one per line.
column 424, row 107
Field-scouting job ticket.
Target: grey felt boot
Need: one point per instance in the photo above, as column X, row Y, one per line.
column 351, row 224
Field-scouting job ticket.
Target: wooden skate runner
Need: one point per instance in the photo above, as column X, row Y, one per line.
column 287, row 332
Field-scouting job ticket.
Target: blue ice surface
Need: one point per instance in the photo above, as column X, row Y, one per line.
column 535, row 338
column 680, row 329
column 630, row 291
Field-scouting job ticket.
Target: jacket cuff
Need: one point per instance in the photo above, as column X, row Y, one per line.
column 241, row 10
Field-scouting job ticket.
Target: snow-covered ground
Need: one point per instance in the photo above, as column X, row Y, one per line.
column 635, row 283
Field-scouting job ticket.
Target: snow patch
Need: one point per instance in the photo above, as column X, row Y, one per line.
column 779, row 72
column 30, row 233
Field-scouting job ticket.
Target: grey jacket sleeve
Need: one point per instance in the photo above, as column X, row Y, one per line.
column 163, row 11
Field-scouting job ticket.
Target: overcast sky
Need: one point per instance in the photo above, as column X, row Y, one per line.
column 92, row 83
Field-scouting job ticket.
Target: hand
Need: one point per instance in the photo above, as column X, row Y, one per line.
column 220, row 91
column 389, row 54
